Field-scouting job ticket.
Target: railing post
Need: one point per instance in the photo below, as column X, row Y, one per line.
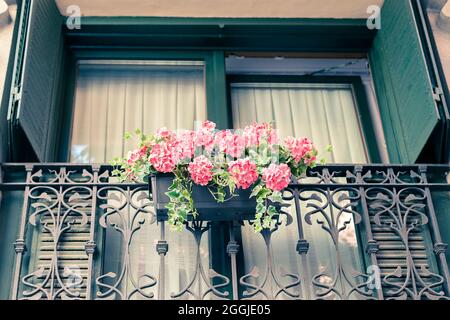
column 19, row 244
column 162, row 247
column 1, row 181
column 90, row 245
column 439, row 247
column 372, row 246
column 302, row 246
column 232, row 250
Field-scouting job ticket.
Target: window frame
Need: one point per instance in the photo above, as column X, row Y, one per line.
column 218, row 104
column 207, row 39
column 214, row 71
column 359, row 94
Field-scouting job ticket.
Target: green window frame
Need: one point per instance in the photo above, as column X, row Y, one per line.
column 218, row 104
column 217, row 83
column 214, row 83
column 362, row 106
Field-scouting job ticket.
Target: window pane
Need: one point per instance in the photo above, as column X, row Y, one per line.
column 116, row 97
column 112, row 98
column 327, row 114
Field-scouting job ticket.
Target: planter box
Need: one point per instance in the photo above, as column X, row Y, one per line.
column 237, row 208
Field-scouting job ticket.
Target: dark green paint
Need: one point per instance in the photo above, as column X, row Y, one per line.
column 408, row 110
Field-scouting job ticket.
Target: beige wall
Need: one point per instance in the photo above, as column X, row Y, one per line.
column 223, row 8
column 440, row 21
column 6, row 31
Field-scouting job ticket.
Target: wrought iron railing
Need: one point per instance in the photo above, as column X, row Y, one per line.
column 349, row 232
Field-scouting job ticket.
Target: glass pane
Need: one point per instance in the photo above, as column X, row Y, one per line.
column 326, row 114
column 114, row 97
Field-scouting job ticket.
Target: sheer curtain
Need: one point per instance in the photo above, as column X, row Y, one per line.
column 326, row 113
column 115, row 97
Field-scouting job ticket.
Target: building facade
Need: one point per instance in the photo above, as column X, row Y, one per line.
column 368, row 77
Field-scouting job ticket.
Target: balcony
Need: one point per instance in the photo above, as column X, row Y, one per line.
column 83, row 235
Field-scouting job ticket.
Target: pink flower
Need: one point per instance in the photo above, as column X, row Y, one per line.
column 256, row 132
column 136, row 155
column 201, row 170
column 165, row 134
column 302, row 148
column 185, row 144
column 230, row 143
column 244, row 172
column 204, row 137
column 163, row 157
column 277, row 177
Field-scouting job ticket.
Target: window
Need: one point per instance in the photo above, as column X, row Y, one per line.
column 115, row 97
column 328, row 113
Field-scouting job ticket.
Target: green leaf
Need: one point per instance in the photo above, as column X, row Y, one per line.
column 272, row 210
column 174, row 194
column 276, row 197
column 260, row 208
column 256, row 190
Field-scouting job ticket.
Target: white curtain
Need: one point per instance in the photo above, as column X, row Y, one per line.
column 114, row 98
column 326, row 114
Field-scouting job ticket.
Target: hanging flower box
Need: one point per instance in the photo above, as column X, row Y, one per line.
column 217, row 175
column 237, row 207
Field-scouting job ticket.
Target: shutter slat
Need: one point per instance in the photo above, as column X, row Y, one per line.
column 41, row 74
column 70, row 252
column 392, row 254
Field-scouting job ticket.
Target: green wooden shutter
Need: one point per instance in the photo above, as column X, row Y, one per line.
column 406, row 99
column 72, row 259
column 392, row 255
column 36, row 82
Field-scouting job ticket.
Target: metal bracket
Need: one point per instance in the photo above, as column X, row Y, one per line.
column 20, row 246
column 372, row 247
column 232, row 247
column 89, row 247
column 16, row 94
column 302, row 246
column 437, row 94
column 440, row 248
column 162, row 247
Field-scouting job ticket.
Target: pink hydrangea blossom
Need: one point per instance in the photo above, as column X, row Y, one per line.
column 244, row 172
column 136, row 155
column 185, row 144
column 204, row 136
column 302, row 148
column 254, row 133
column 165, row 134
column 230, row 143
column 163, row 157
column 201, row 170
column 277, row 177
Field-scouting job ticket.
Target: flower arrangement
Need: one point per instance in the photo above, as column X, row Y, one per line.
column 222, row 161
